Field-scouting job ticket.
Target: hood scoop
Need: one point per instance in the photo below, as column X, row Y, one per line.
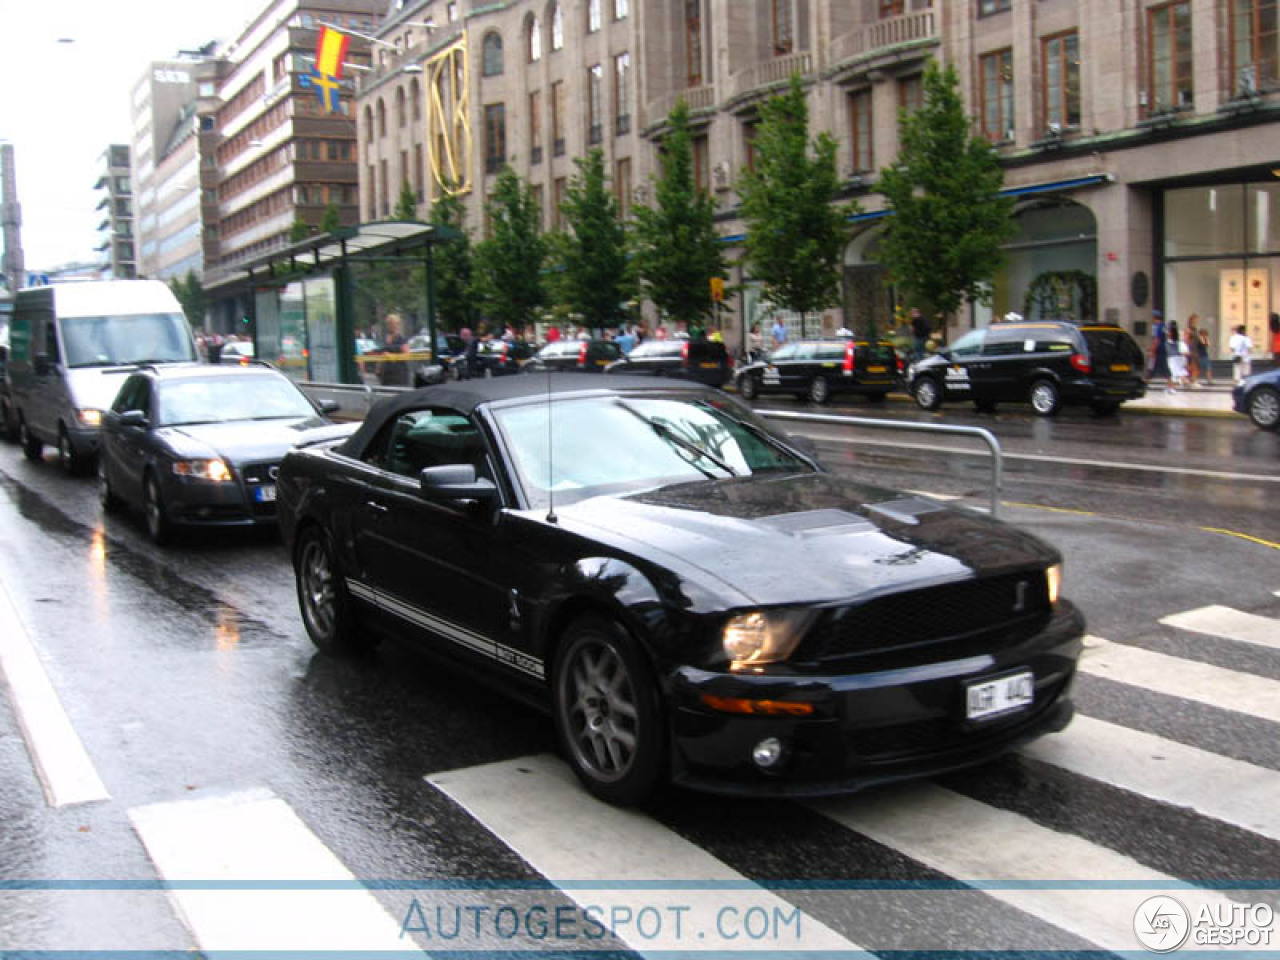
column 818, row 523
column 907, row 510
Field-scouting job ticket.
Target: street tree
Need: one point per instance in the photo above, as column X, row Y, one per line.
column 508, row 263
column 796, row 233
column 332, row 219
column 407, row 204
column 942, row 242
column 299, row 230
column 591, row 257
column 190, row 294
column 453, row 263
column 677, row 249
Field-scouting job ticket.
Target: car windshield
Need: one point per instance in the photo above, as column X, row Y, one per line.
column 625, row 444
column 129, row 338
column 216, row 400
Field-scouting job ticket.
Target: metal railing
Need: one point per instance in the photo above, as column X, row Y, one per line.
column 986, row 436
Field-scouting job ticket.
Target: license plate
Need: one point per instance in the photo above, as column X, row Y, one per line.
column 1002, row 695
column 709, row 365
column 1120, row 368
column 265, row 493
column 875, row 369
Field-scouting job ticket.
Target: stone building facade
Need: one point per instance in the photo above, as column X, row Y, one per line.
column 116, row 247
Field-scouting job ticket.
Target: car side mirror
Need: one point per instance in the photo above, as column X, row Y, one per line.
column 455, row 481
column 329, row 406
column 132, row 418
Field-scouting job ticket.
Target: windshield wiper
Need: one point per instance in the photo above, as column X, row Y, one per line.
column 670, row 434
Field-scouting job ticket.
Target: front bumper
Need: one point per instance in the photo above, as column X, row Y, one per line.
column 868, row 728
column 193, row 502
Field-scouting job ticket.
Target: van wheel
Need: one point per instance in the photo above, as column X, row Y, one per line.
column 928, row 394
column 71, row 461
column 819, row 390
column 32, row 446
column 1045, row 399
column 748, row 388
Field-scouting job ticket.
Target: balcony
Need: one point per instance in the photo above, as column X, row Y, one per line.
column 768, row 73
column 698, row 98
column 884, row 37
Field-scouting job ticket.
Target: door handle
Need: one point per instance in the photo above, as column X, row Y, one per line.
column 374, row 507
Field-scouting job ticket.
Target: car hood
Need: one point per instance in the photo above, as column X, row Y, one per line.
column 241, row 441
column 95, row 388
column 807, row 539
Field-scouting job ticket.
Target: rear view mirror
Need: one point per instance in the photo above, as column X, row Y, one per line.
column 455, row 481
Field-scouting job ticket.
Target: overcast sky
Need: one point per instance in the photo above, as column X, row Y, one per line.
column 62, row 103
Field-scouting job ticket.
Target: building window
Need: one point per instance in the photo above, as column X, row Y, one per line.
column 1061, row 82
column 535, row 191
column 384, row 203
column 860, row 130
column 622, row 185
column 418, row 189
column 593, row 16
column 368, row 124
column 404, row 174
column 595, row 79
column 400, row 111
column 492, row 66
column 557, row 198
column 911, row 93
column 415, row 97
column 372, row 180
column 535, row 127
column 557, row 28
column 1169, row 34
column 995, row 86
column 557, row 118
column 621, row 94
column 701, row 163
column 382, row 118
column 693, row 42
column 890, row 8
column 1255, row 45
column 988, row 7
column 534, row 35
column 750, row 128
column 620, row 9
column 495, row 137
column 783, row 36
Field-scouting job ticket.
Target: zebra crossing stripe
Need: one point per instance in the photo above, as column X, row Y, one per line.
column 1188, row 679
column 264, row 856
column 602, row 855
column 1072, row 883
column 1232, row 624
column 1166, row 771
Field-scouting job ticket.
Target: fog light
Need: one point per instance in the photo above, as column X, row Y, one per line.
column 768, row 753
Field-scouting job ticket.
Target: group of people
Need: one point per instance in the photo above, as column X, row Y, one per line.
column 1183, row 357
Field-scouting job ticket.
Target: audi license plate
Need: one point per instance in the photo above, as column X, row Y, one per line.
column 1002, row 695
column 265, row 493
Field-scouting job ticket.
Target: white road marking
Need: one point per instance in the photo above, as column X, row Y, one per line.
column 536, row 807
column 1167, row 771
column 1076, row 885
column 1188, row 679
column 1232, row 624
column 254, row 837
column 61, row 761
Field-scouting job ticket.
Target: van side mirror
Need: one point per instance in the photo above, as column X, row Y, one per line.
column 132, row 418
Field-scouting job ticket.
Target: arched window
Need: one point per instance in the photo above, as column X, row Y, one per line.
column 400, row 113
column 534, row 33
column 492, row 54
column 557, row 28
column 415, row 97
column 368, row 124
column 382, row 118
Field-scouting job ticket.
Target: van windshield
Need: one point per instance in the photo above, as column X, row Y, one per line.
column 129, row 338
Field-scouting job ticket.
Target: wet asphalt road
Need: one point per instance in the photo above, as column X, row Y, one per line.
column 187, row 672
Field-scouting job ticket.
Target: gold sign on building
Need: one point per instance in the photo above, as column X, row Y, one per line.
column 449, row 118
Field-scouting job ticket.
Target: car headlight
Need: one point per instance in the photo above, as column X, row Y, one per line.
column 1053, row 577
column 91, row 417
column 215, row 470
column 763, row 636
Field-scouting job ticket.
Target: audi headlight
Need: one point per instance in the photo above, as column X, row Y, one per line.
column 1053, row 577
column 215, row 470
column 90, row 417
column 764, row 636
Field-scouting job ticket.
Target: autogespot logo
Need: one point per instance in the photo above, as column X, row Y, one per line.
column 1161, row 924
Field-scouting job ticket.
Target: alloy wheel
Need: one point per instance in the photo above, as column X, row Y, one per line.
column 600, row 714
column 1264, row 408
column 315, row 573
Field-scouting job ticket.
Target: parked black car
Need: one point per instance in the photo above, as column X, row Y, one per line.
column 1259, row 399
column 687, row 593
column 817, row 369
column 583, row 356
column 494, row 358
column 1049, row 364
column 706, row 361
column 201, row 445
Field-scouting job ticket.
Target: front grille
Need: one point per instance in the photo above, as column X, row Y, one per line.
column 953, row 611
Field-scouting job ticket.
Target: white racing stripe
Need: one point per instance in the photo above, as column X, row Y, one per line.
column 253, row 843
column 620, row 859
column 65, row 770
column 1076, row 885
column 1167, row 771
column 1188, row 679
column 1232, row 624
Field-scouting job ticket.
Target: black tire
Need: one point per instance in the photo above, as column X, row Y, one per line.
column 1263, row 404
column 106, row 496
column 1104, row 408
column 75, row 464
column 1044, row 397
column 32, row 446
column 819, row 390
column 322, row 594
column 748, row 388
column 928, row 393
column 159, row 527
column 607, row 715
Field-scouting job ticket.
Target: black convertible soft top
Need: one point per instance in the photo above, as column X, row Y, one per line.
column 466, row 396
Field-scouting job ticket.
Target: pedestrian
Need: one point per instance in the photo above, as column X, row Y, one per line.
column 1241, row 348
column 919, row 330
column 1192, row 343
column 1275, row 338
column 1175, row 358
column 553, row 333
column 778, row 332
column 393, row 372
column 1206, row 362
column 1159, row 350
column 755, row 343
column 660, row 333
column 626, row 339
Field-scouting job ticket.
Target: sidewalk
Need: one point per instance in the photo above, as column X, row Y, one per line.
column 1212, row 401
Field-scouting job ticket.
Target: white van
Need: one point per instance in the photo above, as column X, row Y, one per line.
column 71, row 345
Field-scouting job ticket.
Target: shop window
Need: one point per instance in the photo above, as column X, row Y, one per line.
column 1169, row 41
column 1061, row 57
column 996, row 90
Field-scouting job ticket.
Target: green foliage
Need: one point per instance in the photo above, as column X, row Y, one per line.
column 595, row 276
column 677, row 249
column 407, row 204
column 190, row 294
column 1062, row 294
column 332, row 219
column 508, row 279
column 942, row 244
column 453, row 265
column 299, row 231
column 795, row 232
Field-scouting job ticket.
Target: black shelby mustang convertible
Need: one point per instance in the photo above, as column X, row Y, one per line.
column 692, row 597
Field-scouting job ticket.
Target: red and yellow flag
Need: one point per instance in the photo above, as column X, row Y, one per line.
column 331, row 50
